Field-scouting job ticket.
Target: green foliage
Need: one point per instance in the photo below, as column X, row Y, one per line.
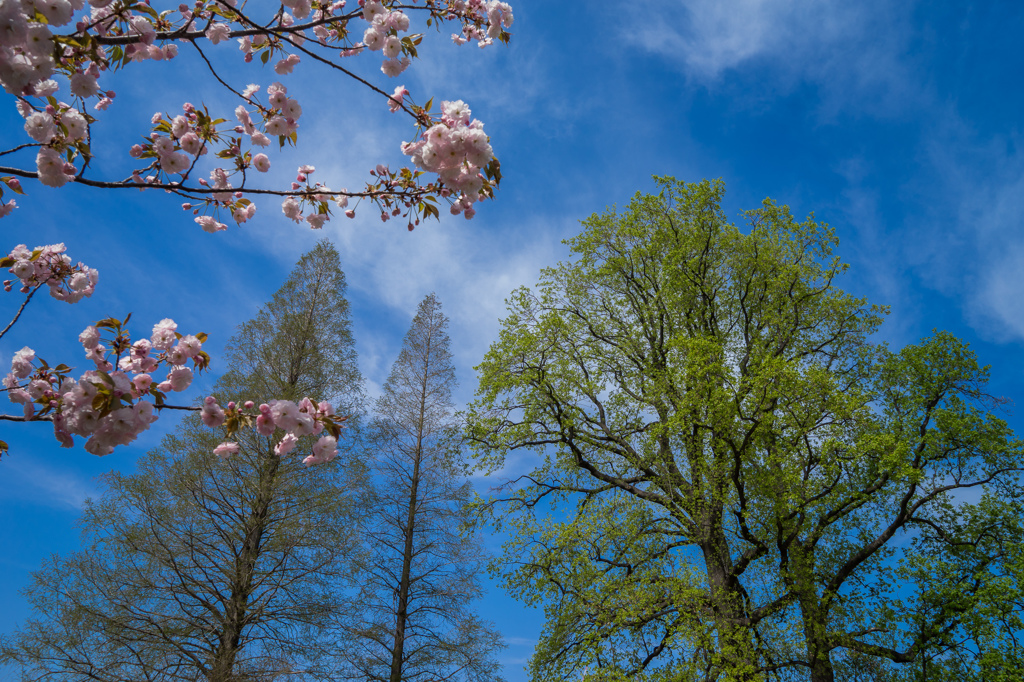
column 744, row 462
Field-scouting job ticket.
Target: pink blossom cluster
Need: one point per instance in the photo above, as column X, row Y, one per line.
column 485, row 20
column 317, row 196
column 109, row 18
column 108, row 406
column 456, row 148
column 173, row 141
column 26, row 45
column 279, row 116
column 105, row 405
column 49, row 265
column 383, row 35
column 58, row 128
column 305, row 418
column 27, row 48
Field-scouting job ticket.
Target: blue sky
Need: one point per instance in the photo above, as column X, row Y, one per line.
column 896, row 123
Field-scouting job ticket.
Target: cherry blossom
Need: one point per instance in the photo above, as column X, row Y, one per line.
column 108, row 407
column 57, row 56
column 49, row 265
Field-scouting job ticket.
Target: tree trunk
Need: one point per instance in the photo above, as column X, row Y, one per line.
column 813, row 614
column 403, row 587
column 735, row 643
column 222, row 667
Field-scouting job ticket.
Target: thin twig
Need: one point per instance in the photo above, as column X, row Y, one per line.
column 33, row 418
column 22, row 308
column 214, row 72
column 20, row 147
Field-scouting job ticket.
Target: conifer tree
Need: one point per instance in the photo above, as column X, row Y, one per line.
column 421, row 574
column 197, row 568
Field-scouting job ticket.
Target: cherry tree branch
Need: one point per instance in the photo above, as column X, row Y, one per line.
column 49, row 417
column 33, row 418
column 183, row 34
column 179, row 188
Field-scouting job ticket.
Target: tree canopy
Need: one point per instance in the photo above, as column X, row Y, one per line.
column 758, row 490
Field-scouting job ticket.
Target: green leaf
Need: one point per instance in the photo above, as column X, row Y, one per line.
column 146, row 9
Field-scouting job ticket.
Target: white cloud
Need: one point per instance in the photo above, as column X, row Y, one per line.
column 471, row 276
column 969, row 244
column 876, row 255
column 854, row 52
column 995, row 306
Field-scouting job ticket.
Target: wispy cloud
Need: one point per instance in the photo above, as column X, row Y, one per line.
column 854, row 52
column 520, row 641
column 29, row 480
column 969, row 243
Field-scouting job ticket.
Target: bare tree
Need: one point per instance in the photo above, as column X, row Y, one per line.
column 421, row 573
column 203, row 569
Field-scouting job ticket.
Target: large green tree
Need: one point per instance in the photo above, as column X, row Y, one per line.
column 744, row 485
column 197, row 568
column 420, row 573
